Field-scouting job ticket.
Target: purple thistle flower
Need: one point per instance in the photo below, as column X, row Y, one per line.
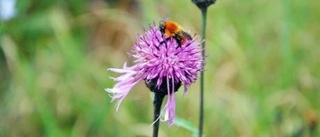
column 159, row 62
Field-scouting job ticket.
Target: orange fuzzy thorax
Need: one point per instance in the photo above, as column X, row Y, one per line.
column 171, row 28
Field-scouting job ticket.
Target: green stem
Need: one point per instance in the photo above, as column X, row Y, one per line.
column 158, row 98
column 203, row 35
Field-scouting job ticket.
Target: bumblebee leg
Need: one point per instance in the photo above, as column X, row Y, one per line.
column 164, row 41
column 179, row 41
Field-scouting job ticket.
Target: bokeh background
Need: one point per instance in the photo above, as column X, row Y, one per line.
column 262, row 76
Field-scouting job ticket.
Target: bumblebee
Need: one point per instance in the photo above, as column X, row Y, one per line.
column 172, row 29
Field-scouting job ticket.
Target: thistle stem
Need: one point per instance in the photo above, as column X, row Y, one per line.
column 203, row 35
column 158, row 98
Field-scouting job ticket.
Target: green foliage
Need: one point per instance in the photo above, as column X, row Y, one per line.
column 262, row 73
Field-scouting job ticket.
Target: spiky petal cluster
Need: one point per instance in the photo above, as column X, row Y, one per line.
column 161, row 59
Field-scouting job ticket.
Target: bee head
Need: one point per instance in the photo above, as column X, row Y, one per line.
column 162, row 26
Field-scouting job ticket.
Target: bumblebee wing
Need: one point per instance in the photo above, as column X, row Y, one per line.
column 186, row 35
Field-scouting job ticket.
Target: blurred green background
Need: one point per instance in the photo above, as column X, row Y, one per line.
column 262, row 73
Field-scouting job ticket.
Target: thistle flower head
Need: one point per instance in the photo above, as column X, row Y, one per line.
column 160, row 62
